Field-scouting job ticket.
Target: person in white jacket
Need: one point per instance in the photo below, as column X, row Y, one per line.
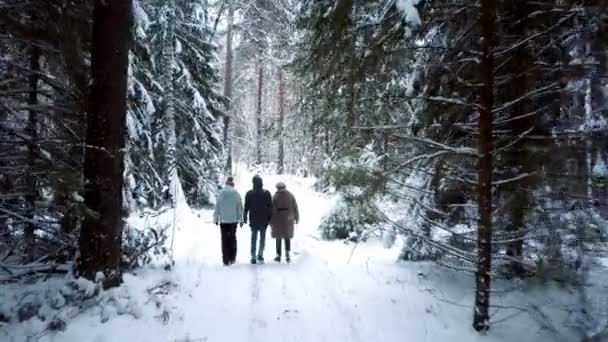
column 228, row 214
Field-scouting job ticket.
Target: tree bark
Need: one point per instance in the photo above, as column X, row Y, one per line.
column 520, row 156
column 599, row 50
column 281, row 161
column 32, row 130
column 258, row 116
column 352, row 79
column 598, row 102
column 327, row 139
column 169, row 91
column 228, row 86
column 100, row 237
column 481, row 315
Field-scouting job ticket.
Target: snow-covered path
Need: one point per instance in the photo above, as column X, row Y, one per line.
column 327, row 293
column 300, row 301
column 320, row 296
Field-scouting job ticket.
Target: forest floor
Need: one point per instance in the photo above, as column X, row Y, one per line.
column 331, row 291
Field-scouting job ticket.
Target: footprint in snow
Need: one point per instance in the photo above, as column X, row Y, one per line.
column 290, row 314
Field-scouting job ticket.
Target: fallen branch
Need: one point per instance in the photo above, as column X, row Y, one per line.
column 18, row 271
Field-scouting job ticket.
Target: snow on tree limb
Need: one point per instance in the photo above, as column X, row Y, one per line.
column 535, row 92
column 409, row 11
column 456, row 150
column 536, row 35
column 451, row 100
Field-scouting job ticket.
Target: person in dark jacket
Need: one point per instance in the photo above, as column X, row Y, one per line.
column 258, row 204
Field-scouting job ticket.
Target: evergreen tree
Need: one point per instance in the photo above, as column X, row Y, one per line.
column 42, row 101
column 196, row 104
column 45, row 52
column 413, row 94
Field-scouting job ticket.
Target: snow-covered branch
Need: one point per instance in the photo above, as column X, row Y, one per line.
column 419, row 158
column 437, row 145
column 534, row 36
column 538, row 91
column 512, row 179
column 517, row 139
column 451, row 100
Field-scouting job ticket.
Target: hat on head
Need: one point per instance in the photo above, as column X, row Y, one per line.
column 281, row 185
column 230, row 181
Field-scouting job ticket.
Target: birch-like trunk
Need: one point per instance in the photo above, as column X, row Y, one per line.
column 588, row 141
column 228, row 87
column 258, row 115
column 281, row 105
column 169, row 92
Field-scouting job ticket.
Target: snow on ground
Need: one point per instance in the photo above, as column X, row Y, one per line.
column 331, row 291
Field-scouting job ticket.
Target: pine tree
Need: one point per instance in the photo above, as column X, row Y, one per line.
column 44, row 59
column 42, row 124
column 424, row 113
column 199, row 106
column 195, row 104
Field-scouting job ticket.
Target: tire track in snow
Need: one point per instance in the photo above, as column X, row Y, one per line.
column 331, row 292
column 256, row 323
column 309, row 294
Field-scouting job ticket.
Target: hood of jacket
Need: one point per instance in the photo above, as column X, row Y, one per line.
column 257, row 183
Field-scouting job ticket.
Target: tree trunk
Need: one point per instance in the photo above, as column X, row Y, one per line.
column 481, row 315
column 206, row 12
column 599, row 50
column 327, row 139
column 169, row 91
column 281, row 162
column 32, row 130
column 228, row 86
column 352, row 79
column 520, row 157
column 258, row 116
column 588, row 140
column 599, row 102
column 100, row 237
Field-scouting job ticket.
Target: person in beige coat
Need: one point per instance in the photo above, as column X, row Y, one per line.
column 284, row 216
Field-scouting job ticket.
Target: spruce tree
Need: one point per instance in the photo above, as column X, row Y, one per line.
column 196, row 105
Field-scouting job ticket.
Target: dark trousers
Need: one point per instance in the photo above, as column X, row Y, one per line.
column 287, row 246
column 228, row 242
column 255, row 230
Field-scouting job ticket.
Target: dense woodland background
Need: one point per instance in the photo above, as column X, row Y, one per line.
column 475, row 130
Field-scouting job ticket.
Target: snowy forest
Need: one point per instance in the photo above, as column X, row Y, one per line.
column 449, row 159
